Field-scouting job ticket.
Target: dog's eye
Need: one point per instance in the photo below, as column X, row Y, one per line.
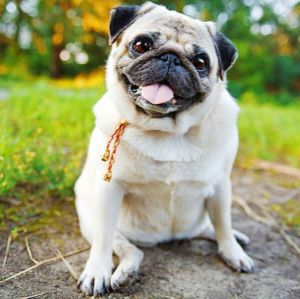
column 200, row 61
column 142, row 45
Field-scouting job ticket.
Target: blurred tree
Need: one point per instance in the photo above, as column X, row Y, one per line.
column 63, row 35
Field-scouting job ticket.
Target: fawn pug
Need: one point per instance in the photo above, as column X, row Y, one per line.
column 166, row 76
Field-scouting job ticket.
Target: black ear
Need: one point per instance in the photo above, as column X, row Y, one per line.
column 226, row 52
column 120, row 18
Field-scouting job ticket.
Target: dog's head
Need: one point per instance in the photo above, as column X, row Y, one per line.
column 163, row 61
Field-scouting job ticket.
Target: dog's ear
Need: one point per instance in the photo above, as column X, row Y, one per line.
column 120, row 18
column 226, row 51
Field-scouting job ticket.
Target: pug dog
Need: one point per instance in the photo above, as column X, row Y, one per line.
column 166, row 79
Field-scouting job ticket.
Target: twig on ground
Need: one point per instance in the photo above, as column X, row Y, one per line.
column 29, row 251
column 73, row 273
column 289, row 240
column 35, row 296
column 280, row 228
column 270, row 222
column 249, row 212
column 292, row 194
column 6, row 251
column 46, row 261
column 277, row 168
column 10, row 201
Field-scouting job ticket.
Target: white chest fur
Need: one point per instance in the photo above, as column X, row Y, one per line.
column 167, row 175
column 167, row 179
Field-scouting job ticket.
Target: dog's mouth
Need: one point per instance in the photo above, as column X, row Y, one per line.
column 157, row 99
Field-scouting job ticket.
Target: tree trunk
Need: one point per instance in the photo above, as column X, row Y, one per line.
column 56, row 63
column 18, row 26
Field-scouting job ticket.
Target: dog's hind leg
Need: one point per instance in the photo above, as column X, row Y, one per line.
column 209, row 233
column 130, row 259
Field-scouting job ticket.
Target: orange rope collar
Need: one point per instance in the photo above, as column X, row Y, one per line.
column 110, row 156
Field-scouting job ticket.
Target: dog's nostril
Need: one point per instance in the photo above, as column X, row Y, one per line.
column 177, row 61
column 164, row 58
column 170, row 58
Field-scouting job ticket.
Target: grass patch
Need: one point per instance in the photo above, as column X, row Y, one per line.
column 44, row 131
column 270, row 132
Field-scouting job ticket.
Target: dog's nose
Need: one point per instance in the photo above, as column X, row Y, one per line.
column 170, row 58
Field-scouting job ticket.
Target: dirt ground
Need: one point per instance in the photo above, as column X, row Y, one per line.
column 185, row 269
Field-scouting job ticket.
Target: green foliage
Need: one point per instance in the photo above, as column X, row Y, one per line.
column 285, row 70
column 279, row 99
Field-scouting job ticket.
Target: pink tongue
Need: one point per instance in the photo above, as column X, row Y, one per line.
column 157, row 93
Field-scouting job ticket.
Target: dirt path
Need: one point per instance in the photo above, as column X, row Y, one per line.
column 185, row 269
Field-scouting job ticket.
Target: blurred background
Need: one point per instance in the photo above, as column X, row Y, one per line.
column 52, row 60
column 66, row 38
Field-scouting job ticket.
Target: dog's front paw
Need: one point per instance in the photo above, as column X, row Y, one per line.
column 235, row 257
column 95, row 278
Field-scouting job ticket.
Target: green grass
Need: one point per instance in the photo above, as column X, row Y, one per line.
column 270, row 132
column 44, row 132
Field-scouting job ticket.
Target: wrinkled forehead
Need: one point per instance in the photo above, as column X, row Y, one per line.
column 173, row 28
